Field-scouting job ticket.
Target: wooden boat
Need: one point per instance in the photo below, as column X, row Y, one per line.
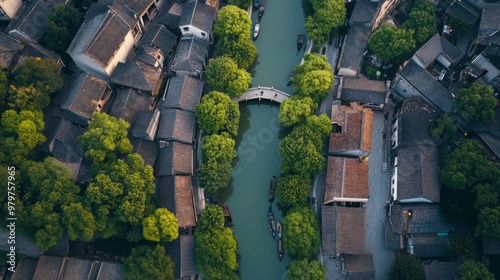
column 256, row 3
column 281, row 251
column 290, row 78
column 262, row 9
column 270, row 217
column 279, row 230
column 227, row 216
column 256, row 30
column 272, row 188
column 300, row 42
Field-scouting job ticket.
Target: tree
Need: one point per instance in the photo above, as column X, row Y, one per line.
column 243, row 4
column 488, row 225
column 315, row 129
column 295, row 110
column 243, row 52
column 4, row 87
column 301, row 233
column 217, row 113
column 313, row 62
column 476, row 103
column 216, row 250
column 105, row 139
column 300, row 156
column 422, row 21
column 79, row 221
column 224, row 75
column 43, row 74
column 458, row 25
column 217, row 154
column 328, row 14
column 162, row 226
column 390, row 43
column 461, row 246
column 486, row 196
column 443, row 129
column 27, row 98
column 293, row 190
column 406, row 268
column 62, row 25
column 212, row 217
column 232, row 25
column 473, row 270
column 315, row 84
column 305, row 270
column 148, row 262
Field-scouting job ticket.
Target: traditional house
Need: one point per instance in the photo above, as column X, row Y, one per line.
column 128, row 103
column 32, row 23
column 176, row 194
column 346, row 181
column 138, row 75
column 84, row 94
column 488, row 71
column 9, row 8
column 157, row 36
column 352, row 130
column 190, row 57
column 65, row 268
column 363, row 91
column 359, row 266
column 106, row 37
column 170, row 18
column 176, row 125
column 147, row 149
column 197, row 19
column 25, row 269
column 143, row 10
column 35, row 50
column 9, row 51
column 183, row 92
column 490, row 21
column 461, row 10
column 65, row 147
column 175, row 159
column 342, row 230
column 146, row 124
column 182, row 252
column 437, row 49
column 441, row 271
column 420, row 229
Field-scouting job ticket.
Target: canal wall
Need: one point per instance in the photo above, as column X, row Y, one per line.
column 263, row 93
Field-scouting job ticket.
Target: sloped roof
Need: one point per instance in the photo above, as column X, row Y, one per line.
column 414, row 126
column 425, row 219
column 364, row 12
column 25, row 269
column 491, row 246
column 184, row 92
column 435, row 47
column 128, row 103
column 138, row 7
column 363, row 90
column 182, row 252
column 343, row 230
column 430, row 246
column 177, row 125
column 176, row 194
column 492, row 140
column 346, row 178
column 356, row 123
column 354, row 46
column 441, row 271
column 360, row 266
column 170, row 17
column 199, row 15
column 464, row 11
column 191, row 55
column 146, row 124
column 9, row 47
column 110, row 270
column 159, row 37
column 65, row 146
column 432, row 91
column 138, row 75
column 147, row 149
column 33, row 20
column 48, row 267
column 76, row 269
column 175, row 159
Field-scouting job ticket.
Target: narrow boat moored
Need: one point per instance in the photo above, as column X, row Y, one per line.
column 281, row 251
column 300, row 42
column 272, row 188
column 227, row 216
column 256, row 3
column 270, row 218
column 256, row 30
column 279, row 229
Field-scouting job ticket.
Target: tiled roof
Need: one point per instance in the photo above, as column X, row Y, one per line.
column 76, row 269
column 48, row 267
column 110, row 270
column 343, row 230
column 25, row 269
column 33, row 21
column 176, row 194
column 359, row 266
column 199, row 15
column 346, row 178
column 184, row 92
column 147, row 149
column 175, row 159
column 139, row 7
column 146, row 124
column 191, row 55
column 430, row 246
column 414, row 127
column 354, row 47
column 363, row 91
column 8, row 50
column 128, row 103
column 435, row 47
column 441, row 271
column 138, row 75
column 176, row 125
column 182, row 252
column 170, row 18
column 425, row 219
column 160, row 37
column 65, row 146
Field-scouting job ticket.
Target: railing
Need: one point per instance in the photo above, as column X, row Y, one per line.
column 263, row 93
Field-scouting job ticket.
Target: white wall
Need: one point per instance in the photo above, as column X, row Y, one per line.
column 10, row 8
column 193, row 31
column 122, row 53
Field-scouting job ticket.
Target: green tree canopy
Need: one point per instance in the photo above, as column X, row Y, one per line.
column 295, row 110
column 301, row 233
column 486, row 196
column 328, row 14
column 216, row 249
column 406, row 268
column 305, row 270
column 148, row 262
column 293, row 190
column 4, row 87
column 473, row 270
column 232, row 25
column 488, row 224
column 243, row 4
column 313, row 62
column 458, row 25
column 79, row 221
column 62, row 25
column 224, row 75
column 314, row 78
column 476, row 103
column 105, row 139
column 43, row 74
column 443, row 129
column 390, row 43
column 217, row 153
column 422, row 21
column 461, row 246
column 212, row 217
column 300, row 156
column 162, row 226
column 243, row 52
column 27, row 98
column 217, row 113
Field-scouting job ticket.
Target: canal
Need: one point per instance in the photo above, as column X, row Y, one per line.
column 258, row 142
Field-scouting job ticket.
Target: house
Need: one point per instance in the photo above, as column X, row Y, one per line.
column 25, row 269
column 352, row 130
column 183, row 92
column 146, row 124
column 437, row 49
column 346, row 181
column 343, row 230
column 170, row 18
column 420, row 229
column 366, row 16
column 490, row 21
column 461, row 10
column 441, row 271
column 176, row 125
column 414, row 81
column 176, row 194
column 197, row 19
column 363, row 91
column 106, row 37
column 157, row 36
column 182, row 252
column 488, row 71
column 65, row 268
column 138, row 75
column 9, row 51
column 175, row 159
column 128, row 103
column 84, row 94
column 415, row 176
column 359, row 266
column 143, row 10
column 65, row 147
column 32, row 23
column 9, row 8
column 190, row 57
column 35, row 50
column 147, row 149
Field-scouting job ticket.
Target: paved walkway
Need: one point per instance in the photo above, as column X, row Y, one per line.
column 263, row 93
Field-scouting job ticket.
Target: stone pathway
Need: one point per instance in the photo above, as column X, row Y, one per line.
column 263, row 93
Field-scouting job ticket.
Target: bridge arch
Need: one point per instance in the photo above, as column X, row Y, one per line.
column 263, row 93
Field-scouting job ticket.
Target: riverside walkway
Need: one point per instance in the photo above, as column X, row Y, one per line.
column 263, row 93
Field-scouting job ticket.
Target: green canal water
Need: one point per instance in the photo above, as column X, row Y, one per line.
column 258, row 142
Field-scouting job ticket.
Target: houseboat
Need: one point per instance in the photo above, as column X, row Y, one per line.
column 270, row 217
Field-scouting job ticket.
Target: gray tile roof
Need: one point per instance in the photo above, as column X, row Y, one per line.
column 176, row 125
column 9, row 47
column 33, row 21
column 138, row 7
column 128, row 102
column 170, row 17
column 491, row 247
column 492, row 140
column 182, row 252
column 184, row 92
column 146, row 124
column 176, row 194
column 199, row 15
column 175, row 159
column 430, row 246
column 425, row 219
column 435, row 47
column 414, row 127
column 138, row 75
column 65, row 146
column 363, row 91
column 359, row 266
column 48, row 268
column 191, row 55
column 343, row 230
column 354, row 47
column 147, row 149
column 159, row 37
column 110, row 271
column 25, row 269
column 76, row 269
column 464, row 11
column 441, row 271
column 364, row 12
